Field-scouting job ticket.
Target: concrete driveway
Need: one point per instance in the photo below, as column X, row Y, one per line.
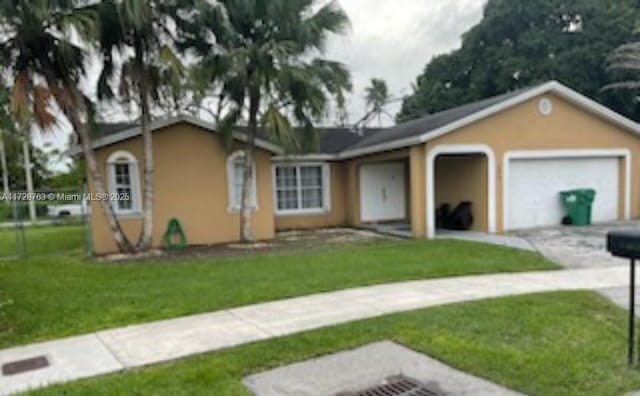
column 577, row 247
column 583, row 247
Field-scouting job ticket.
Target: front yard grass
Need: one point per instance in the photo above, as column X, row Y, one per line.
column 555, row 344
column 43, row 240
column 57, row 296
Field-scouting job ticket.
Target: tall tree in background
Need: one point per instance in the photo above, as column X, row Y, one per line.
column 376, row 97
column 43, row 58
column 142, row 28
column 265, row 57
column 28, row 171
column 7, row 128
column 12, row 154
column 519, row 43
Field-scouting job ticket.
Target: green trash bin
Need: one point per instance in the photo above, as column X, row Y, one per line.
column 578, row 204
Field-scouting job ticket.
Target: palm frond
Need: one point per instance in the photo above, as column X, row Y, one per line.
column 19, row 103
column 628, row 85
column 42, row 107
column 278, row 127
column 329, row 19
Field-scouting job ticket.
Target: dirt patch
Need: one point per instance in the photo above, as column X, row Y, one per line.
column 289, row 241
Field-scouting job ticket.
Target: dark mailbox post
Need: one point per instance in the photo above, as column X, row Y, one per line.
column 627, row 244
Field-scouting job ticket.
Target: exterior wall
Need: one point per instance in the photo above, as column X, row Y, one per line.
column 353, row 181
column 463, row 178
column 568, row 127
column 191, row 185
column 417, row 175
column 337, row 216
column 191, row 179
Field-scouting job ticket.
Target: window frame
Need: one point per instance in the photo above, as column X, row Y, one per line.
column 118, row 158
column 231, row 183
column 326, row 188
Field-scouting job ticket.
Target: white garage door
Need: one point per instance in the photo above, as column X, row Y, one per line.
column 534, row 184
column 382, row 192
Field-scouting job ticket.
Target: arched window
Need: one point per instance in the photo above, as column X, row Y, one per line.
column 235, row 178
column 124, row 182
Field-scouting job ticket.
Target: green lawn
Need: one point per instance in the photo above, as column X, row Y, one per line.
column 564, row 344
column 44, row 240
column 56, row 296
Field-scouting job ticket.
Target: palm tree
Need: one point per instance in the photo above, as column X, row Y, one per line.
column 625, row 61
column 376, row 97
column 265, row 59
column 151, row 75
column 28, row 175
column 7, row 126
column 39, row 47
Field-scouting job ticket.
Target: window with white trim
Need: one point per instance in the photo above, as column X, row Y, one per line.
column 124, row 183
column 235, row 176
column 301, row 188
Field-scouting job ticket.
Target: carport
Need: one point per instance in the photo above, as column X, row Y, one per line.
column 457, row 174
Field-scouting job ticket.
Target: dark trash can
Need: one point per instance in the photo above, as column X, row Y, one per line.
column 578, row 204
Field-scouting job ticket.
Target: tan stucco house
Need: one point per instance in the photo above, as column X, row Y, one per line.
column 509, row 156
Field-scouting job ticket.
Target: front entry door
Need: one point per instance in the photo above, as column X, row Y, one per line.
column 382, row 192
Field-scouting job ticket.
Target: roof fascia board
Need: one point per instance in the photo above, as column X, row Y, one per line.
column 595, row 107
column 306, row 157
column 433, row 134
column 159, row 124
column 388, row 146
column 552, row 86
column 488, row 112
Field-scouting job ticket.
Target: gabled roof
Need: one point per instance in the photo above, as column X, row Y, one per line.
column 343, row 143
column 432, row 126
column 331, row 141
column 113, row 133
column 432, row 122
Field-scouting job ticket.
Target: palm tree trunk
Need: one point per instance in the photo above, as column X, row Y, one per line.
column 147, row 206
column 246, row 235
column 3, row 164
column 71, row 101
column 28, row 176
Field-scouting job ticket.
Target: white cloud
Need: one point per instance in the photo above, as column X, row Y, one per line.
column 394, row 40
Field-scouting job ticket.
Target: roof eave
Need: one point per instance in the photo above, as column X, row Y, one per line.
column 159, row 124
column 550, row 87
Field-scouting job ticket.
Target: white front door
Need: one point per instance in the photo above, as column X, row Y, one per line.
column 382, row 192
column 535, row 184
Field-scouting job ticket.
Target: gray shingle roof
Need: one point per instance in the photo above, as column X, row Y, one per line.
column 432, row 122
column 338, row 140
column 330, row 140
column 105, row 129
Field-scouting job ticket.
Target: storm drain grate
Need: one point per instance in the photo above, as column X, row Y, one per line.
column 22, row 366
column 398, row 386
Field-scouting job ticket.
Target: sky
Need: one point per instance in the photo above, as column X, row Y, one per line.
column 388, row 39
column 395, row 39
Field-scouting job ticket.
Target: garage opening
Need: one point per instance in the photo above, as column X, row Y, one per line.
column 461, row 193
column 533, row 185
column 384, row 197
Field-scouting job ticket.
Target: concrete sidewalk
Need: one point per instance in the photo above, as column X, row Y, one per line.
column 133, row 346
